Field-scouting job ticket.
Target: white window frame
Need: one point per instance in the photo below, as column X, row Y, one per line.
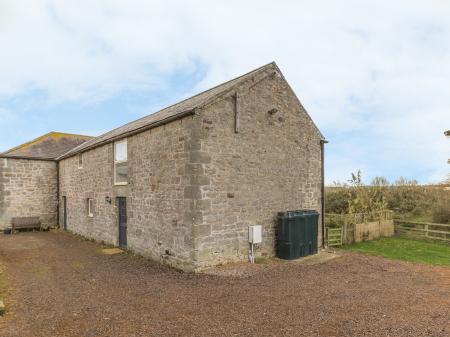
column 80, row 160
column 120, row 162
column 5, row 162
column 90, row 207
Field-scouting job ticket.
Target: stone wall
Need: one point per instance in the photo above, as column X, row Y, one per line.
column 28, row 188
column 159, row 195
column 272, row 164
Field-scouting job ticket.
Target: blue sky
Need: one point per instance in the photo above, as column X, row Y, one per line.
column 374, row 75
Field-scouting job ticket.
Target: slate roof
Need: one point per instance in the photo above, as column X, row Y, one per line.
column 47, row 147
column 178, row 110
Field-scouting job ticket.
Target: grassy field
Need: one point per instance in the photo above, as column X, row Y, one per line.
column 405, row 249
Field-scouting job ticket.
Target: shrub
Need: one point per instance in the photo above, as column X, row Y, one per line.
column 405, row 197
column 441, row 214
column 441, row 211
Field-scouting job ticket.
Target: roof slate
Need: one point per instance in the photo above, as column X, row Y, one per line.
column 175, row 111
column 47, row 147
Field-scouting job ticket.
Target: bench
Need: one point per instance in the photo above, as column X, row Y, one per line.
column 30, row 222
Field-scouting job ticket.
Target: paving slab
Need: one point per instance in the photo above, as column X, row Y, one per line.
column 321, row 257
column 112, row 251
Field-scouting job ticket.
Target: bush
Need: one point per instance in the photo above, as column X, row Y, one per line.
column 441, row 214
column 355, row 197
column 337, row 201
column 405, row 197
column 441, row 211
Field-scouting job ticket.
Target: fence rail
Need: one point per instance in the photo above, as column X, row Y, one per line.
column 424, row 230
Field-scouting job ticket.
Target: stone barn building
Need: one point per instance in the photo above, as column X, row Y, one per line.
column 183, row 185
column 29, row 178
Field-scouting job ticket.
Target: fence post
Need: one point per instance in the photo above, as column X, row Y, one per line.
column 345, row 229
column 426, row 230
column 379, row 225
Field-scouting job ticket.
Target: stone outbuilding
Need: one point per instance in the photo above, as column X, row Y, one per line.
column 29, row 178
column 183, row 185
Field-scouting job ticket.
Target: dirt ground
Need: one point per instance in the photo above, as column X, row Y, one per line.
column 60, row 285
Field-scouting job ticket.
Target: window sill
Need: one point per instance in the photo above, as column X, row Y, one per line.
column 120, row 184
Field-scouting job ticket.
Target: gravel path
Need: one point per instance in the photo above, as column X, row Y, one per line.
column 61, row 285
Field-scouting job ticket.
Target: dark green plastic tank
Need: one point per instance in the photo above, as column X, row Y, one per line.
column 297, row 234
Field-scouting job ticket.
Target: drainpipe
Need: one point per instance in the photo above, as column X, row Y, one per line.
column 322, row 153
column 57, row 194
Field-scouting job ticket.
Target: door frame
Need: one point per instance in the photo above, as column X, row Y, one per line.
column 122, row 222
column 64, row 212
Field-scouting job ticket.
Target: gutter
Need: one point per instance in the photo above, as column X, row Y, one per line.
column 322, row 159
column 129, row 133
column 27, row 158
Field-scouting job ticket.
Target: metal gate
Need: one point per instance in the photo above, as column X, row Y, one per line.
column 122, row 205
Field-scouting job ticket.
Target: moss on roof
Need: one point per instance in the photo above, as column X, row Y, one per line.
column 48, row 147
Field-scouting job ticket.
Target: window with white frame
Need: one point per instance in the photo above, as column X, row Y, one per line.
column 80, row 160
column 91, row 208
column 120, row 163
column 5, row 162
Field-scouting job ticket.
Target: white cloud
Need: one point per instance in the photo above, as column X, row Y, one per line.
column 380, row 69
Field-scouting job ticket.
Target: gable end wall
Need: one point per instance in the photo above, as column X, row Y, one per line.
column 272, row 165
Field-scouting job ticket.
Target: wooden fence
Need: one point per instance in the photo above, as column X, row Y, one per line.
column 350, row 228
column 423, row 230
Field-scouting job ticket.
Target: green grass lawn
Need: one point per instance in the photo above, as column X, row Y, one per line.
column 405, row 249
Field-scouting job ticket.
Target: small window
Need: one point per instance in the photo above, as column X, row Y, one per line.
column 120, row 163
column 80, row 160
column 5, row 162
column 91, row 208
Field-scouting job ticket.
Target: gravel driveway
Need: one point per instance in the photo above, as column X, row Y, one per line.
column 61, row 285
